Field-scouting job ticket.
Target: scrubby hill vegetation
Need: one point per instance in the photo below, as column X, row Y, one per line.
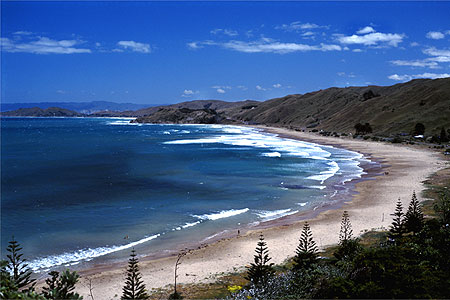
column 392, row 109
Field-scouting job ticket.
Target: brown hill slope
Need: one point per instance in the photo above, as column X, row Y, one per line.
column 391, row 109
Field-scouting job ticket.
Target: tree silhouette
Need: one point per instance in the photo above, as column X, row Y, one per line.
column 61, row 286
column 414, row 216
column 419, row 129
column 260, row 270
column 306, row 253
column 20, row 271
column 134, row 286
column 396, row 229
column 176, row 294
column 348, row 246
column 346, row 228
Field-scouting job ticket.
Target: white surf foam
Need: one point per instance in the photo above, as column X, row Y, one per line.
column 80, row 255
column 324, row 175
column 272, row 154
column 123, row 122
column 221, row 214
column 250, row 137
column 266, row 215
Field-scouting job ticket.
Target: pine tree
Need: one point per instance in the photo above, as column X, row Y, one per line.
column 348, row 246
column 134, row 286
column 306, row 253
column 414, row 216
column 61, row 286
column 346, row 229
column 260, row 270
column 18, row 268
column 397, row 228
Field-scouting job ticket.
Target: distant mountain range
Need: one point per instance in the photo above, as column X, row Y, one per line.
column 80, row 107
column 390, row 109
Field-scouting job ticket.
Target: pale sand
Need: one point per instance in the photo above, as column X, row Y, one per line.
column 406, row 167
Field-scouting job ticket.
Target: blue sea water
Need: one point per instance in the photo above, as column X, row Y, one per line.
column 81, row 189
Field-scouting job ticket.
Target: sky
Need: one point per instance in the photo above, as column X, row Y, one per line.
column 169, row 52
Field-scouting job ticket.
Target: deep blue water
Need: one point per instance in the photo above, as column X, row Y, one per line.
column 73, row 188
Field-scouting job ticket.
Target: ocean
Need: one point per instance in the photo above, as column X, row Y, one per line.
column 79, row 191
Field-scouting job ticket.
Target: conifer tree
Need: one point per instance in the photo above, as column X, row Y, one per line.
column 414, row 216
column 306, row 253
column 61, row 286
column 260, row 270
column 134, row 286
column 19, row 270
column 397, row 227
column 348, row 246
column 346, row 229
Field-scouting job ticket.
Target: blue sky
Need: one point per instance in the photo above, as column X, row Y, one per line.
column 168, row 52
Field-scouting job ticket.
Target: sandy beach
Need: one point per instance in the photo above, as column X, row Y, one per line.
column 404, row 168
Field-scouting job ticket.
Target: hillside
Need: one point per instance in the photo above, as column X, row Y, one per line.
column 391, row 109
column 81, row 107
column 388, row 109
column 39, row 112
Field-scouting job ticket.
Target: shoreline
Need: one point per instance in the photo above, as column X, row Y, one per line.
column 231, row 253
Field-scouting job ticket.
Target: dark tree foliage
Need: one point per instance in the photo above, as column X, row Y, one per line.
column 134, row 286
column 8, row 288
column 348, row 247
column 414, row 216
column 442, row 208
column 346, row 231
column 61, row 286
column 306, row 253
column 260, row 271
column 419, row 129
column 396, row 229
column 363, row 129
column 21, row 274
column 443, row 136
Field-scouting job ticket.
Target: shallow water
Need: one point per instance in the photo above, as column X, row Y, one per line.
column 76, row 189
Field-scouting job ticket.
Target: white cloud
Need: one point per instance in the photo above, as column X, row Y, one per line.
column 188, row 93
column 220, row 91
column 22, row 33
column 194, row 45
column 242, row 87
column 357, row 50
column 266, row 45
column 416, row 63
column 365, row 30
column 61, row 91
column 228, row 32
column 43, row 45
column 135, row 46
column 297, row 26
column 277, row 85
column 372, row 38
column 436, row 52
column 435, row 35
column 414, row 44
column 437, row 55
column 223, row 87
column 308, row 34
column 417, row 76
column 260, row 88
